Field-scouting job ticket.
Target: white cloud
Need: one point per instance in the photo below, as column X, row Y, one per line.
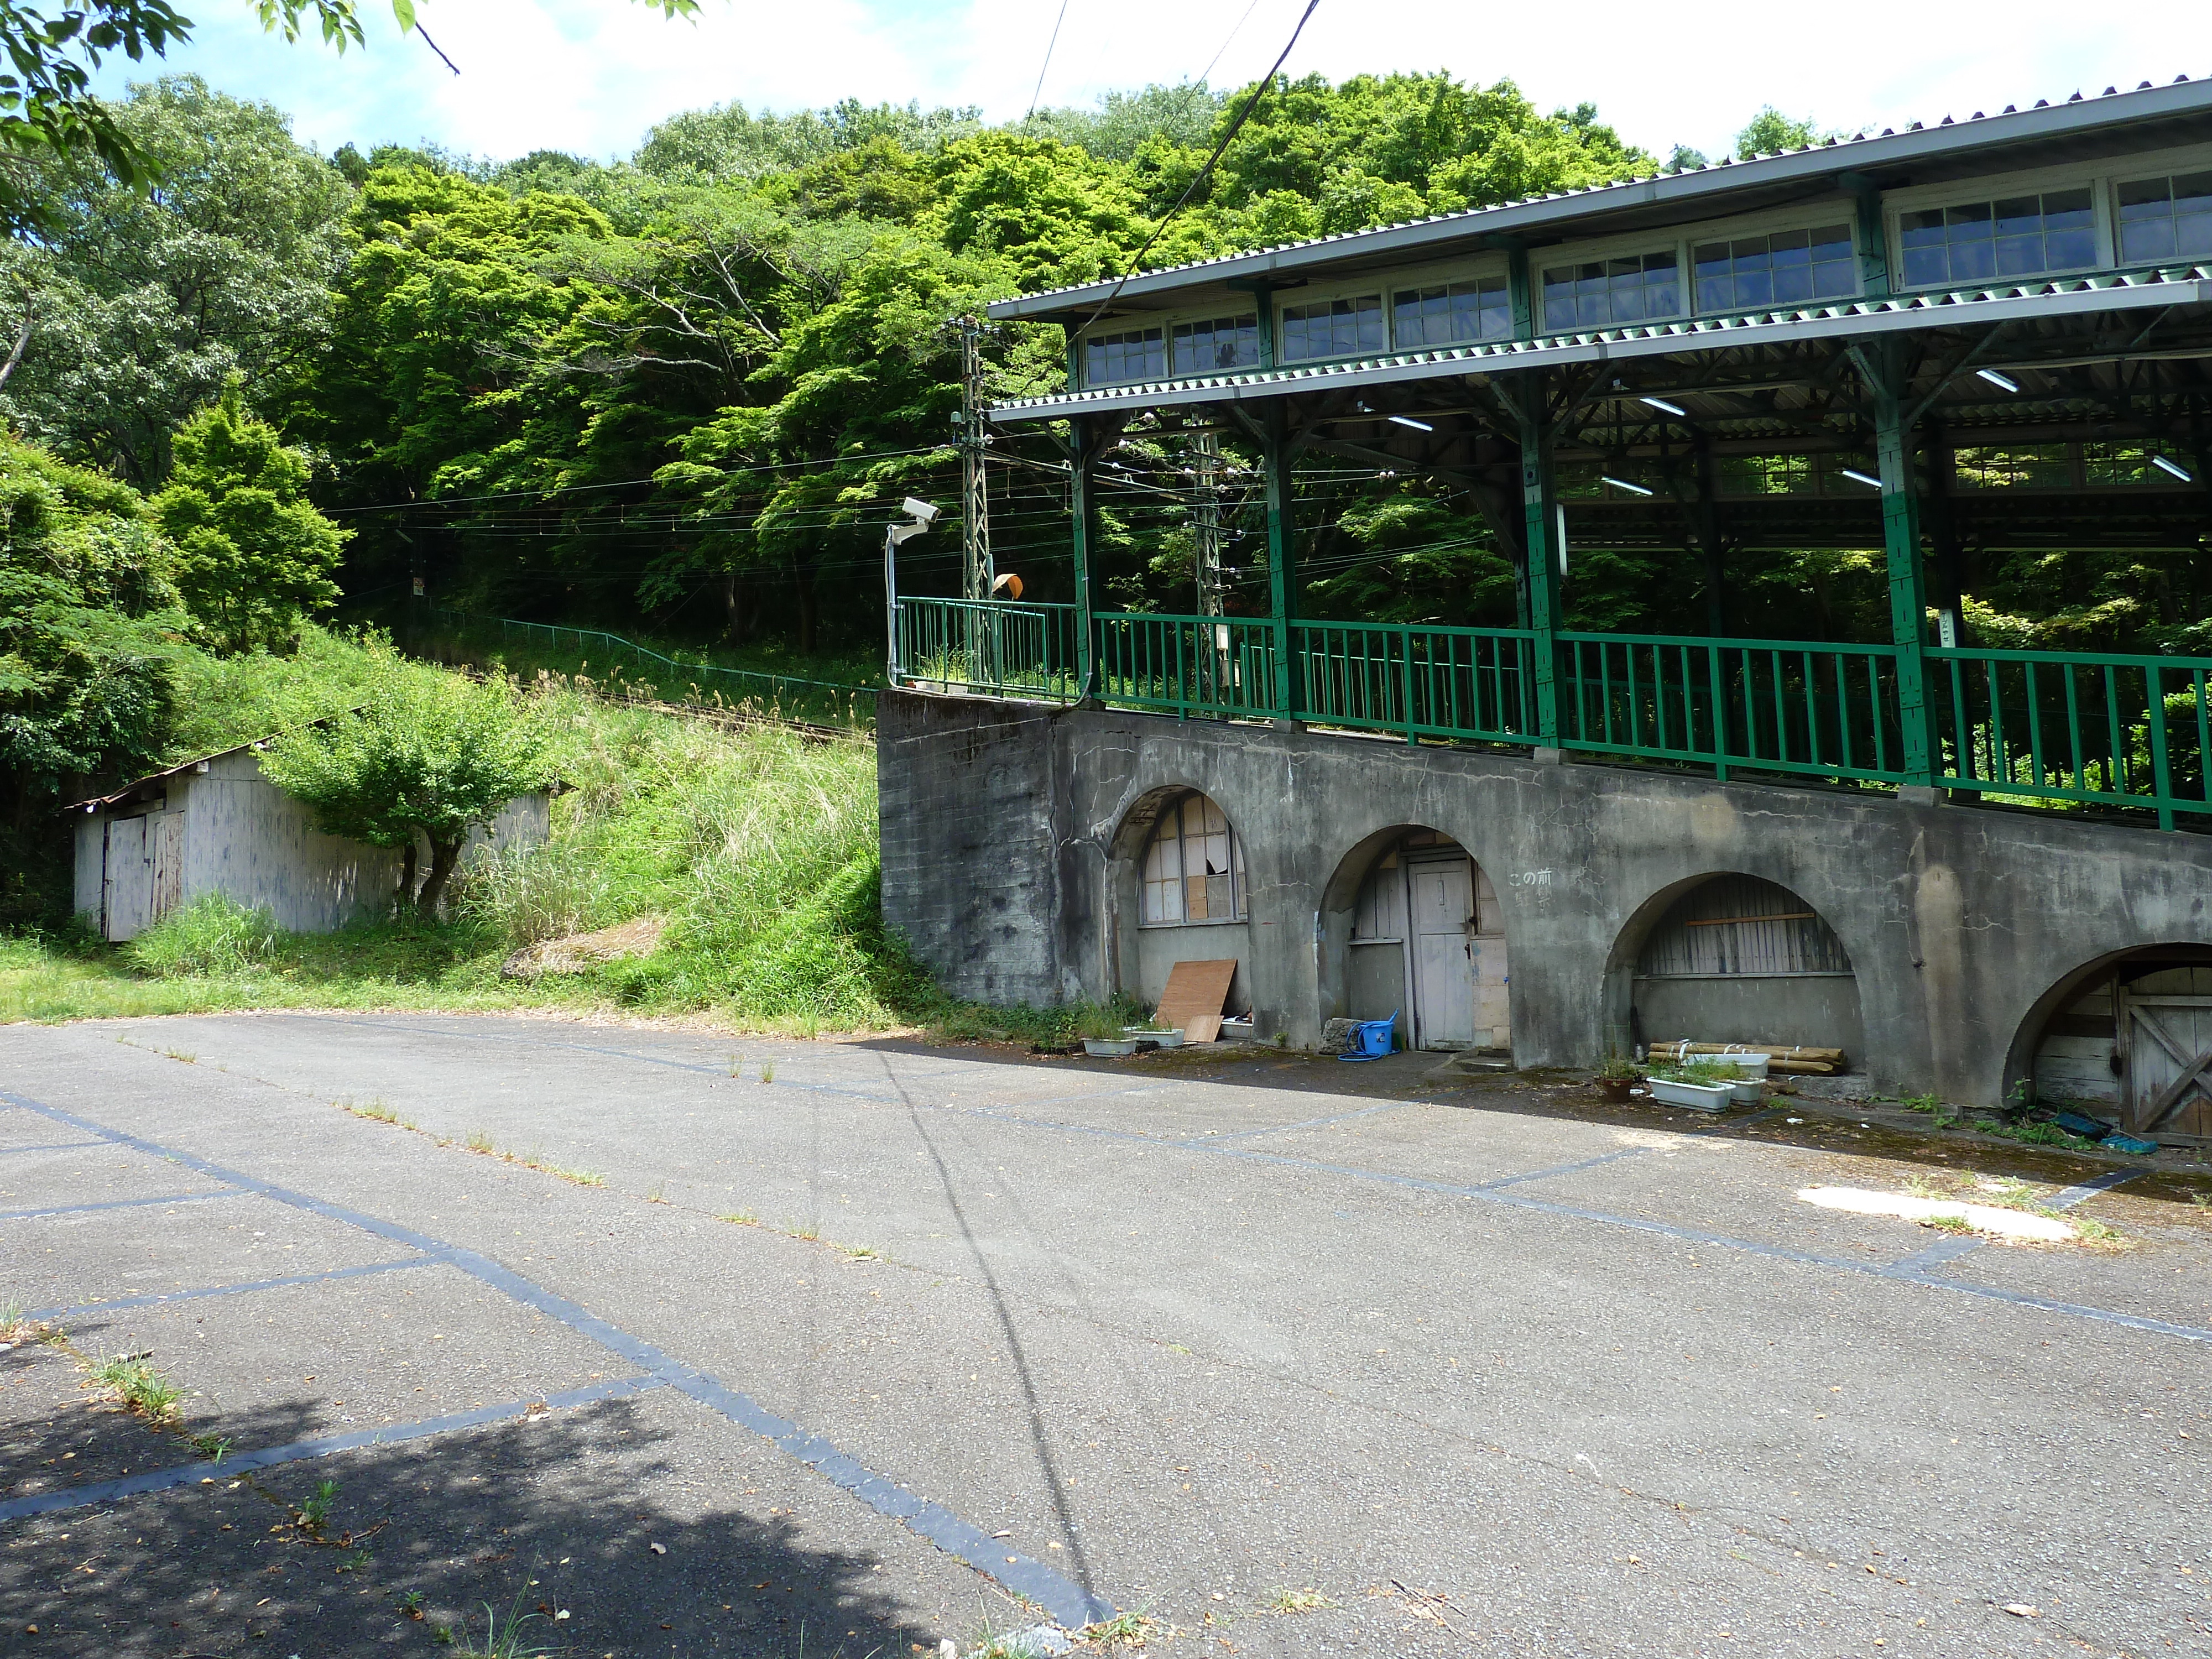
column 591, row 76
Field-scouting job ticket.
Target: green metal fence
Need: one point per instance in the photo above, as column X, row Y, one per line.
column 2059, row 730
column 830, row 702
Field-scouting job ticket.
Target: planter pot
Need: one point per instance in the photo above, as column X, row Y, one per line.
column 1697, row 1096
column 1161, row 1039
column 1745, row 1066
column 1109, row 1048
column 1746, row 1090
column 1615, row 1089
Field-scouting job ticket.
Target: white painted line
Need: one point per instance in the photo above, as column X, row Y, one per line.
column 1982, row 1218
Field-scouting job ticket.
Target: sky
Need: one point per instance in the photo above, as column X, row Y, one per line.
column 592, row 76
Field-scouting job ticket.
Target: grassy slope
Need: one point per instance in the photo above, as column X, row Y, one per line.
column 759, row 847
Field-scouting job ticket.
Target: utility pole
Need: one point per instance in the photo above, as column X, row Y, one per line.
column 1206, row 523
column 975, row 500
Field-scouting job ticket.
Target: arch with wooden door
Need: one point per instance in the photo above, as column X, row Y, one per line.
column 2127, row 1038
column 1425, row 938
column 1731, row 958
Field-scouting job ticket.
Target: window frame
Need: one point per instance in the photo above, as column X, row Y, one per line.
column 1489, row 268
column 1171, row 813
column 2161, row 164
column 1543, row 261
column 1296, row 299
column 1209, row 315
column 1782, row 223
column 1099, row 336
column 1994, row 187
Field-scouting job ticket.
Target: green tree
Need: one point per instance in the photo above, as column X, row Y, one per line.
column 253, row 555
column 1771, row 132
column 429, row 756
column 87, row 637
column 141, row 308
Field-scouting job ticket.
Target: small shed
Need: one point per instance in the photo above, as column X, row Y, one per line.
column 217, row 825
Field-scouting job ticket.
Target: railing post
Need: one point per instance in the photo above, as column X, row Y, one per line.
column 1882, row 367
column 1405, row 657
column 2162, row 773
column 1282, row 571
column 1543, row 543
column 1082, row 451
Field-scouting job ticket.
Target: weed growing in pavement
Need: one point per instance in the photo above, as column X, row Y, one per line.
column 1298, row 1600
column 656, row 1194
column 313, row 1512
column 2011, row 1192
column 181, row 1054
column 411, row 1603
column 358, row 1561
column 739, row 1217
column 862, row 1252
column 479, row 1141
column 2097, row 1233
column 2033, row 1134
column 137, row 1387
column 16, row 1327
column 1951, row 1224
column 213, row 1447
column 806, row 1231
column 1124, row 1630
column 376, row 1111
column 2202, row 1201
column 503, row 1632
column 768, row 1072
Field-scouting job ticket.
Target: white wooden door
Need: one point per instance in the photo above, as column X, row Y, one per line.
column 1441, row 904
column 2166, row 1019
column 127, row 888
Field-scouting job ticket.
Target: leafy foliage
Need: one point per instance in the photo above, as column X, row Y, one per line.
column 253, row 556
column 429, row 755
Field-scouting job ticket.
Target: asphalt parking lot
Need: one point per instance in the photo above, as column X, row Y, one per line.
column 691, row 1345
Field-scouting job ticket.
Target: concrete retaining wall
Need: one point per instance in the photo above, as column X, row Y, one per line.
column 1010, row 834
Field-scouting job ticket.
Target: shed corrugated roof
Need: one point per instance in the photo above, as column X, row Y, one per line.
column 2076, row 118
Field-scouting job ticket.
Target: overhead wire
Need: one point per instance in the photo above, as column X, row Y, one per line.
column 1038, row 92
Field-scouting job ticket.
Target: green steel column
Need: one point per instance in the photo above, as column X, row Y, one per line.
column 1520, row 293
column 1900, row 536
column 1544, row 548
column 1282, row 560
column 1872, row 237
column 1082, row 450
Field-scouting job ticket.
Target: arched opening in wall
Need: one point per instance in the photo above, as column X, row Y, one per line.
column 2130, row 1040
column 1428, row 939
column 1738, row 959
column 1190, row 899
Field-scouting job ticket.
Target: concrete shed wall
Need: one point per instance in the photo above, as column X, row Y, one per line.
column 1006, row 869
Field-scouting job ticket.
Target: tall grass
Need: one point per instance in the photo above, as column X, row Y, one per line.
column 213, row 935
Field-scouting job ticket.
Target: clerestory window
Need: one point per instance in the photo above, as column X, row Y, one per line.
column 1221, row 343
column 1612, row 292
column 2167, row 219
column 1137, row 354
column 1453, row 312
column 1990, row 241
column 1789, row 267
column 1333, row 328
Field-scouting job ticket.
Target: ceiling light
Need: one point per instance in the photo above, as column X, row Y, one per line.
column 1417, row 426
column 1623, row 483
column 2002, row 382
column 1867, row 479
column 2174, row 467
column 1663, row 406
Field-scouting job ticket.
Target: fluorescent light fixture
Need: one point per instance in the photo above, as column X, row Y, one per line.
column 2002, row 382
column 1867, row 479
column 1407, row 420
column 2174, row 467
column 1663, row 406
column 1623, row 483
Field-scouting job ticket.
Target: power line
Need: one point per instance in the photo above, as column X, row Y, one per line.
column 1225, row 45
column 1207, row 172
column 1039, row 90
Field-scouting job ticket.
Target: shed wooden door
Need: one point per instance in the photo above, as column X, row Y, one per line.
column 164, row 852
column 1441, row 895
column 2166, row 1027
column 127, row 881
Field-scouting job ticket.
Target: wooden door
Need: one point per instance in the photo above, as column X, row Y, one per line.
column 127, row 884
column 2166, row 1035
column 166, row 853
column 1441, row 910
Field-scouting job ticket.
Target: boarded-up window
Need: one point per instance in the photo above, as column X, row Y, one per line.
column 1740, row 925
column 1193, row 867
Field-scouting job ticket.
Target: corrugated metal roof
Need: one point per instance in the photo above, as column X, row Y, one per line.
column 1690, row 191
column 2123, row 291
column 162, row 776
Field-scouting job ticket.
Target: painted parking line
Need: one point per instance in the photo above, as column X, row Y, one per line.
column 1947, row 1250
column 112, row 1204
column 1067, row 1601
column 86, row 1309
column 58, row 1146
column 268, row 1457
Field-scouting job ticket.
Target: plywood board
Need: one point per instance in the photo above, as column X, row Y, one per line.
column 1195, row 990
column 1203, row 1028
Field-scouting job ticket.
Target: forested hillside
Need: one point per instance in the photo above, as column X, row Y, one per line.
column 675, row 395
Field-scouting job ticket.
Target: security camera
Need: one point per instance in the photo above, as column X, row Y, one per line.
column 921, row 510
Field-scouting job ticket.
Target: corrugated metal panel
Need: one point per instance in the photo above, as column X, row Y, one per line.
column 1741, row 925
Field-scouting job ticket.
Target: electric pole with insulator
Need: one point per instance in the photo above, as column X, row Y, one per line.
column 975, row 500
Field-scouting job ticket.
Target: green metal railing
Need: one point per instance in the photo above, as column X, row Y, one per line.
column 832, row 701
column 1825, row 711
column 975, row 645
column 2058, row 730
column 1192, row 664
column 1422, row 681
column 2048, row 726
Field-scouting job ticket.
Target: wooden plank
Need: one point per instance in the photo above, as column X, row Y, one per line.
column 1203, row 1028
column 1194, row 990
